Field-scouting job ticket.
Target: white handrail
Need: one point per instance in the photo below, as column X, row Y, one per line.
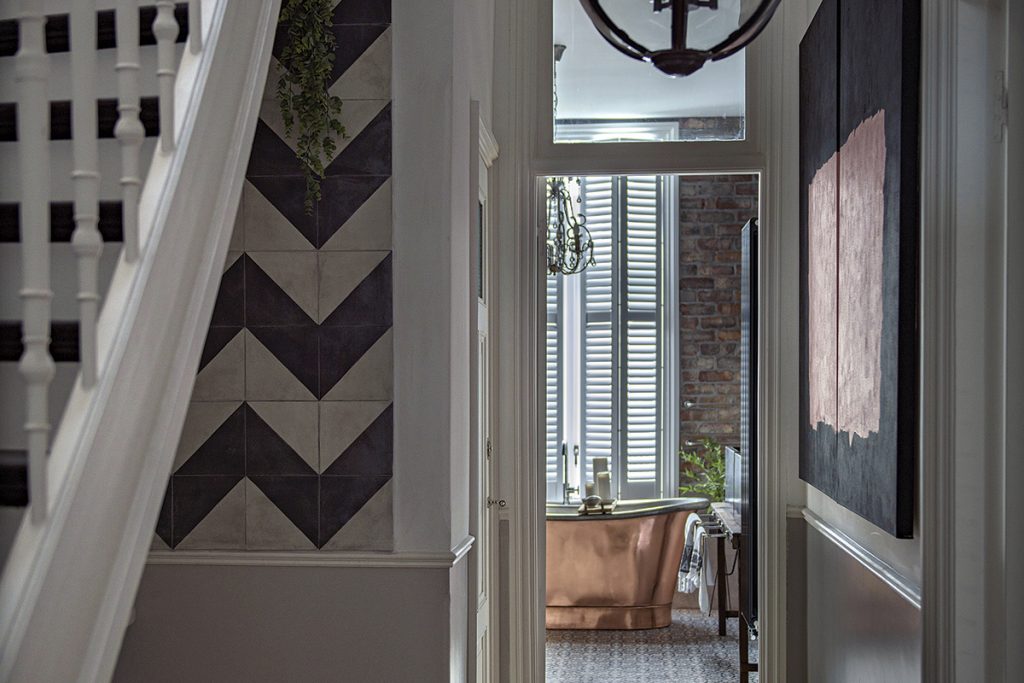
column 129, row 131
column 165, row 28
column 86, row 240
column 36, row 366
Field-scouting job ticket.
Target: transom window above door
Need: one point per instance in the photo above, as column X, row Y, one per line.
column 595, row 84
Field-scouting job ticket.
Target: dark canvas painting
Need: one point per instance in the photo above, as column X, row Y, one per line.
column 858, row 255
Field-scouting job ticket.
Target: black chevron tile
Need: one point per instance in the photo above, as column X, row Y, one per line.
column 194, row 498
column 223, row 452
column 266, row 303
column 164, row 523
column 229, row 310
column 297, row 497
column 287, row 194
column 341, row 498
column 369, row 153
column 297, row 350
column 342, row 197
column 341, row 348
column 369, row 303
column 271, row 156
column 216, row 339
column 266, row 453
column 363, row 12
column 351, row 41
column 371, row 452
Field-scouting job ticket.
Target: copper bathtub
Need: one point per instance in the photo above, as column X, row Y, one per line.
column 615, row 571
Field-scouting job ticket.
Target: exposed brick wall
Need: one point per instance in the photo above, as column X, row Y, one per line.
column 712, row 212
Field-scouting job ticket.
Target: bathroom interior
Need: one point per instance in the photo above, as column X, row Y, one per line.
column 648, row 405
column 650, row 321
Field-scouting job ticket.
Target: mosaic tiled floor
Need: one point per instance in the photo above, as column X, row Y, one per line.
column 689, row 651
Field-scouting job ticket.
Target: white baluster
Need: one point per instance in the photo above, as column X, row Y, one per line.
column 31, row 72
column 165, row 28
column 129, row 131
column 86, row 240
column 195, row 25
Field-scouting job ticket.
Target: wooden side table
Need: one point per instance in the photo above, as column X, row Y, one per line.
column 724, row 515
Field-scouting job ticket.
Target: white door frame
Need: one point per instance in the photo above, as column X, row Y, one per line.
column 482, row 569
column 523, row 85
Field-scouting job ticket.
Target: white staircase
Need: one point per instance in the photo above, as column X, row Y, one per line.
column 96, row 478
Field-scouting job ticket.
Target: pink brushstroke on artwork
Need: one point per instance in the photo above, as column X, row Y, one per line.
column 822, row 278
column 861, row 222
column 846, row 201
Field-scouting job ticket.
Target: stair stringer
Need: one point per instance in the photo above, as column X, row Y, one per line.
column 70, row 581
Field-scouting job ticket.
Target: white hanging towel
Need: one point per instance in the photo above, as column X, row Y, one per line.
column 707, row 572
column 689, row 566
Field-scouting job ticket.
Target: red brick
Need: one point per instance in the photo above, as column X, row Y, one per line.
column 716, row 321
column 716, row 375
column 729, row 309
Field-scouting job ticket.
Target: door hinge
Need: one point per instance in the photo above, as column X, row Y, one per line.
column 1001, row 102
column 488, row 449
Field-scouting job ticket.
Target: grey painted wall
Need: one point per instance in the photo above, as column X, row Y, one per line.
column 858, row 628
column 796, row 601
column 256, row 624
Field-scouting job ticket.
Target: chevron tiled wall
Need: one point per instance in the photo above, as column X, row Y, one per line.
column 288, row 440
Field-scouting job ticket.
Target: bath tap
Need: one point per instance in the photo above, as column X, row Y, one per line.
column 566, row 489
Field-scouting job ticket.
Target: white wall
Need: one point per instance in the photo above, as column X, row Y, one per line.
column 980, row 355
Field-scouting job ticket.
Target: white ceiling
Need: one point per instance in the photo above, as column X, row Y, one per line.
column 595, row 81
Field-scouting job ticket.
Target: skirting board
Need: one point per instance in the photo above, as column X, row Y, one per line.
column 883, row 570
column 441, row 560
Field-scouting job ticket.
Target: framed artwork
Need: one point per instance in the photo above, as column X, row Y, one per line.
column 859, row 111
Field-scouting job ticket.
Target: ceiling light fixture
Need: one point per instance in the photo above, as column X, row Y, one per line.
column 679, row 60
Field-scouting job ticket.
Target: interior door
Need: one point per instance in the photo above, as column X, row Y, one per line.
column 483, row 518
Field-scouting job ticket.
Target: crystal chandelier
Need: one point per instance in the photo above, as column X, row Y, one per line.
column 569, row 246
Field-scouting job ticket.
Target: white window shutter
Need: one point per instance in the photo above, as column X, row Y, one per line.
column 622, row 340
column 642, row 357
column 600, row 362
column 553, row 387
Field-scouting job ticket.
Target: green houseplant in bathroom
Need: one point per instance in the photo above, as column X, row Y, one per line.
column 311, row 115
column 702, row 470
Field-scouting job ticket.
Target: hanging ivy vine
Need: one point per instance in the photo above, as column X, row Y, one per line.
column 311, row 115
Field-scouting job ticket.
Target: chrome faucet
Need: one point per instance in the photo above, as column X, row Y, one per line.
column 566, row 489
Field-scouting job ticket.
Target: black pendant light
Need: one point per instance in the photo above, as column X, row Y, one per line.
column 679, row 60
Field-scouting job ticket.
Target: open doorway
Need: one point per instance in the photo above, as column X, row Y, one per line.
column 645, row 378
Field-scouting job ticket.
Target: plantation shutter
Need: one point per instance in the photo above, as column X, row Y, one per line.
column 553, row 387
column 600, row 410
column 642, row 345
column 618, row 310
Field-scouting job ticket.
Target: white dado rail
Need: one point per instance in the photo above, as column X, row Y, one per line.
column 96, row 488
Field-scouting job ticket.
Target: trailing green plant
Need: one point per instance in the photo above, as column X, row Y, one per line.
column 703, row 470
column 311, row 115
